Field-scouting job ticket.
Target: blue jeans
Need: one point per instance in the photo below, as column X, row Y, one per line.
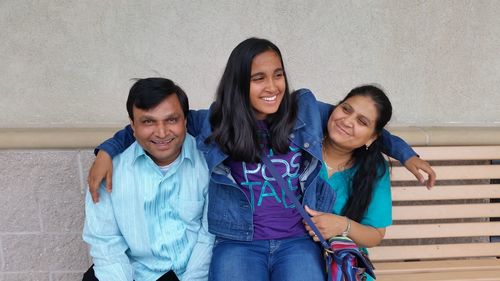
column 293, row 259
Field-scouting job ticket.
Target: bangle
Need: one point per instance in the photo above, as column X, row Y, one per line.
column 348, row 227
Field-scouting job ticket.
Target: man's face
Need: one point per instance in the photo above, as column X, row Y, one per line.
column 161, row 130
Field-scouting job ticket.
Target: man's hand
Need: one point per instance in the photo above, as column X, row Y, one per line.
column 102, row 169
column 415, row 164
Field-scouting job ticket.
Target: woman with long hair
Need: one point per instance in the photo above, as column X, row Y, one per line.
column 356, row 169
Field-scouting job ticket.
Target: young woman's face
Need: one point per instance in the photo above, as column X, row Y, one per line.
column 267, row 84
column 352, row 123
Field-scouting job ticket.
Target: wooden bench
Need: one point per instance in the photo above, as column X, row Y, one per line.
column 451, row 232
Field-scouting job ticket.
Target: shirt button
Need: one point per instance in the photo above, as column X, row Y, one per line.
column 306, row 145
column 292, row 136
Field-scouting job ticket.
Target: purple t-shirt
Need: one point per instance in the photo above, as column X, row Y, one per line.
column 274, row 215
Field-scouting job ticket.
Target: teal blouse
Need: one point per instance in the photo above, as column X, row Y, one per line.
column 379, row 212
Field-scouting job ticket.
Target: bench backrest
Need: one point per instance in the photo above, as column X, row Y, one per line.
column 456, row 219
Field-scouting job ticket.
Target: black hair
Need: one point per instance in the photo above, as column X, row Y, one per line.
column 149, row 92
column 370, row 162
column 232, row 119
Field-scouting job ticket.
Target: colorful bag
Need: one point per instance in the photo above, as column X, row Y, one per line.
column 344, row 260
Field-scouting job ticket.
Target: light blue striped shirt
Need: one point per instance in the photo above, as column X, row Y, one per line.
column 151, row 222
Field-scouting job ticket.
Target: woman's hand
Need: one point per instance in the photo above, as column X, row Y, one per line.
column 329, row 225
column 102, row 169
column 414, row 164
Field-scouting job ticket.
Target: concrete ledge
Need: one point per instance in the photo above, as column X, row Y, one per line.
column 70, row 138
column 47, row 138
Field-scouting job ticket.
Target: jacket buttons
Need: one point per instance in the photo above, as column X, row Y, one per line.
column 306, row 145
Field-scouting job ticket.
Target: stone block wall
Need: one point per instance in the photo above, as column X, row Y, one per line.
column 42, row 211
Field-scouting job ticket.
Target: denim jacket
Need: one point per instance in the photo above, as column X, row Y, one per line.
column 229, row 211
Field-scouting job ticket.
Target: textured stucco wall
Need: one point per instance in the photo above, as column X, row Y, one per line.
column 69, row 63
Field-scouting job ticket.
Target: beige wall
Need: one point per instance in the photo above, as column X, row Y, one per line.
column 69, row 63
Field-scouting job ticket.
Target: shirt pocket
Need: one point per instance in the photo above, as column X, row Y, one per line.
column 190, row 211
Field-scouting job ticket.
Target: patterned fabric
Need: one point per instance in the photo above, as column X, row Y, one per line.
column 347, row 262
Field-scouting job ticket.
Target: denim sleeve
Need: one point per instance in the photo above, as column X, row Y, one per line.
column 325, row 109
column 195, row 121
column 118, row 143
column 396, row 147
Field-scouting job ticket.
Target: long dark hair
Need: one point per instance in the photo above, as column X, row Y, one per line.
column 234, row 126
column 369, row 161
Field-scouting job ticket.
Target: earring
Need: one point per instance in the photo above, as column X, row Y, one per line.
column 367, row 147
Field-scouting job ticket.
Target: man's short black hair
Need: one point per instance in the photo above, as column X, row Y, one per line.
column 149, row 92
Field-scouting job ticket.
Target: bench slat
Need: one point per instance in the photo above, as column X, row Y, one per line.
column 440, row 230
column 464, row 172
column 386, row 268
column 454, row 261
column 450, row 211
column 440, row 251
column 458, row 152
column 478, row 275
column 450, row 192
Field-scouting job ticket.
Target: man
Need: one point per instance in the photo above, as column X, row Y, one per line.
column 153, row 225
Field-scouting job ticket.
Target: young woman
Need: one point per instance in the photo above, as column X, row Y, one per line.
column 356, row 169
column 260, row 235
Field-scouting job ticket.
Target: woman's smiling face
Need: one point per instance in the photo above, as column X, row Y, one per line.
column 352, row 123
column 267, row 84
